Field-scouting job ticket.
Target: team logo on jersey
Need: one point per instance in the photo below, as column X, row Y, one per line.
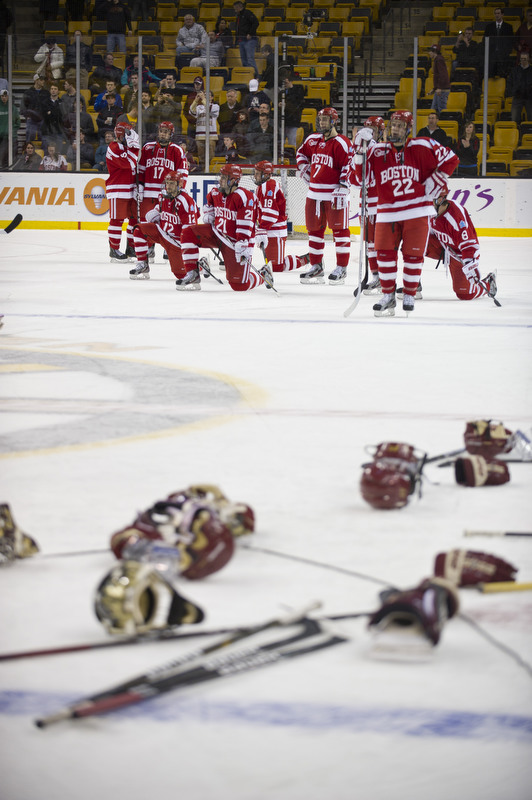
column 95, row 197
column 462, row 224
column 379, row 152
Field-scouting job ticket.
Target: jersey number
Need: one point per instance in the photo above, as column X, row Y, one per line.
column 400, row 188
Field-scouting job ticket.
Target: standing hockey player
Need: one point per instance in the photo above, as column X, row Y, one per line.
column 453, row 237
column 121, row 158
column 271, row 230
column 377, row 126
column 164, row 223
column 229, row 225
column 323, row 162
column 409, row 175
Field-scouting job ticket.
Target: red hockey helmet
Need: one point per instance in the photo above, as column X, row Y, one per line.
column 328, row 111
column 232, row 171
column 263, row 171
column 167, row 126
column 403, row 116
column 121, row 128
column 172, row 177
column 375, row 122
column 385, row 486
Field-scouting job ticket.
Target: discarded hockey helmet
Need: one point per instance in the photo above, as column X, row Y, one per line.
column 134, row 598
column 487, row 438
column 385, row 486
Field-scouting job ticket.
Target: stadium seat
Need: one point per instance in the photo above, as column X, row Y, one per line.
column 520, row 164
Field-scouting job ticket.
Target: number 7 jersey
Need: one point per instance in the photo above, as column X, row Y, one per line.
column 400, row 175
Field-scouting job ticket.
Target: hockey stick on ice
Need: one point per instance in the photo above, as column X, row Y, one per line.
column 497, row 533
column 362, row 263
column 173, row 675
column 12, row 225
column 155, row 636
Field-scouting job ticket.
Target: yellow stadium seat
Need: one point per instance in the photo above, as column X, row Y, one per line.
column 519, row 164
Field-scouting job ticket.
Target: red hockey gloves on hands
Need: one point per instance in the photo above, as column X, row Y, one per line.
column 436, row 185
column 467, row 568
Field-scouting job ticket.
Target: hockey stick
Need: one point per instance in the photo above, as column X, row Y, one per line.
column 362, row 263
column 266, row 281
column 172, row 676
column 503, row 586
column 216, row 254
column 497, row 533
column 12, row 225
column 204, row 264
column 155, row 636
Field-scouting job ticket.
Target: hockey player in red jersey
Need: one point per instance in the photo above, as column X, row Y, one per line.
column 409, row 174
column 270, row 221
column 164, row 223
column 377, row 126
column 229, row 225
column 453, row 237
column 121, row 159
column 155, row 161
column 323, row 162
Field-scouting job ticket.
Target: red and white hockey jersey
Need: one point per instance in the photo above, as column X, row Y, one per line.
column 456, row 233
column 234, row 215
column 122, row 167
column 270, row 208
column 157, row 161
column 324, row 163
column 400, row 174
column 171, row 214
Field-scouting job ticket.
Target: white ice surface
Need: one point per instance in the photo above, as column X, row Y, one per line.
column 117, row 392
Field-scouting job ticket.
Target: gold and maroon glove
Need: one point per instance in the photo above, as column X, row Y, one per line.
column 467, row 568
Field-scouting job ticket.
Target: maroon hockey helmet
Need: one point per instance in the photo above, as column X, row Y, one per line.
column 385, row 486
column 121, row 128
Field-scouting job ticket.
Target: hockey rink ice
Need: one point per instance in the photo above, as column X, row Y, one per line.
column 115, row 393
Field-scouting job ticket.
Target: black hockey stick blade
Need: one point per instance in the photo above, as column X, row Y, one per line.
column 205, row 267
column 13, row 224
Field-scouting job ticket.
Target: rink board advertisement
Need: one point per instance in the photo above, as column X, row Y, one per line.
column 499, row 207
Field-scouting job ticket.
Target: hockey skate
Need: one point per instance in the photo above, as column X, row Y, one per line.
column 408, row 303
column 165, row 256
column 409, row 623
column 116, row 255
column 267, row 277
column 418, row 295
column 191, row 282
column 338, row 276
column 374, row 286
column 151, row 253
column 130, row 253
column 386, row 306
column 140, row 272
column 313, row 275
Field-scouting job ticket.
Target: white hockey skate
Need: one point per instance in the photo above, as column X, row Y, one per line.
column 314, row 275
column 190, row 283
column 386, row 306
column 140, row 272
column 374, row 286
column 338, row 276
column 151, row 253
column 408, row 303
column 116, row 255
column 419, row 294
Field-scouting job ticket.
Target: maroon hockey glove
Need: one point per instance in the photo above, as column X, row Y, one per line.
column 467, row 568
column 477, row 471
column 486, row 438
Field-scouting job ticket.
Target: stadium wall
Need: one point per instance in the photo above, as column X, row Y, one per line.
column 72, row 201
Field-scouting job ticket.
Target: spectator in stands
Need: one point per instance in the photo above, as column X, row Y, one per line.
column 294, row 96
column 519, row 87
column 149, row 118
column 85, row 60
column 110, row 88
column 131, row 117
column 245, row 28
column 100, row 161
column 167, row 108
column 260, row 141
column 33, row 101
column 131, row 93
column 4, row 128
column 254, row 99
column 223, row 32
column 52, row 127
column 169, row 83
column 198, row 110
column 441, row 81
column 50, row 58
column 107, row 72
column 501, row 36
column 198, row 88
column 139, row 9
column 227, row 148
column 524, row 33
column 86, row 123
column 216, row 52
column 48, row 9
column 69, row 98
column 268, row 73
column 189, row 147
column 467, row 51
column 228, row 112
column 240, row 131
column 53, row 161
column 86, row 153
column 433, row 131
column 190, row 37
column 254, row 124
column 118, row 24
column 466, row 148
column 29, row 161
column 133, row 69
column 108, row 116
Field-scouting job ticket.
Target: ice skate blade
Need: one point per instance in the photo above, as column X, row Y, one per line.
column 339, row 282
column 191, row 287
column 396, row 644
column 372, row 291
column 389, row 312
column 312, row 280
column 141, row 277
